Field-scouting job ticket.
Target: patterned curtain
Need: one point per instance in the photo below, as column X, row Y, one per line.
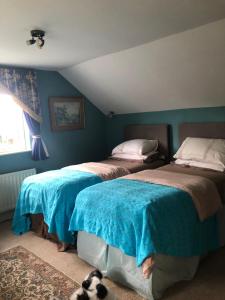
column 22, row 85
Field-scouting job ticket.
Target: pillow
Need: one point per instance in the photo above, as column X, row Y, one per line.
column 199, row 164
column 204, row 150
column 137, row 146
column 148, row 157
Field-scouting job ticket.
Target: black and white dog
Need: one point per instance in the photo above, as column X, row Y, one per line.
column 93, row 288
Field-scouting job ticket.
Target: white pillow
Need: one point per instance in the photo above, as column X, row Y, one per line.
column 203, row 150
column 141, row 157
column 137, row 146
column 199, row 164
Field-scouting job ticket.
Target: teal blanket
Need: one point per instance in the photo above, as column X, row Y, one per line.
column 142, row 219
column 52, row 194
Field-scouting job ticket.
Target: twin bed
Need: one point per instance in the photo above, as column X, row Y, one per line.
column 47, row 200
column 150, row 229
column 166, row 226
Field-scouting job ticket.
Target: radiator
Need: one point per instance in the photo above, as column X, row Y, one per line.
column 10, row 184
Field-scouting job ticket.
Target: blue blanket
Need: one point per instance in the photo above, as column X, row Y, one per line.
column 53, row 194
column 142, row 219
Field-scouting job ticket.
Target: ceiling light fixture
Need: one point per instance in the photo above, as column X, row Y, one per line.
column 37, row 37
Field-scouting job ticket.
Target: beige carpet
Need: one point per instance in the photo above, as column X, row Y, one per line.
column 66, row 262
column 208, row 284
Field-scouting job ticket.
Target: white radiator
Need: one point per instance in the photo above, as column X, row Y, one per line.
column 10, row 184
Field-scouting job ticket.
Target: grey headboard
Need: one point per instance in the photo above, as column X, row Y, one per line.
column 205, row 130
column 158, row 132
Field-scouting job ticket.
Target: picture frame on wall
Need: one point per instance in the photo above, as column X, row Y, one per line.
column 66, row 113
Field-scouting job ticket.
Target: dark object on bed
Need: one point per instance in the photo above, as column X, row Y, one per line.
column 145, row 131
column 135, row 166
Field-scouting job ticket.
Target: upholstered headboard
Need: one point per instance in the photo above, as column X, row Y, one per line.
column 156, row 132
column 203, row 130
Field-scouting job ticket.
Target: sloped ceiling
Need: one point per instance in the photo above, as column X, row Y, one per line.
column 79, row 30
column 184, row 70
column 125, row 56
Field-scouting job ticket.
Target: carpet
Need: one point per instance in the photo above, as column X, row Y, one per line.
column 25, row 276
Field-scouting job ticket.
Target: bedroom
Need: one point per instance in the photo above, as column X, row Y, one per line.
column 130, row 62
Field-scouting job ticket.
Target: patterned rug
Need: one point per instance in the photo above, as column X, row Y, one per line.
column 25, row 276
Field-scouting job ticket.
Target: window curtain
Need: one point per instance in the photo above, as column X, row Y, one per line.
column 22, row 85
column 39, row 150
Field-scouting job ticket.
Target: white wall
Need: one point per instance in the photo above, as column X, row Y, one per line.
column 184, row 70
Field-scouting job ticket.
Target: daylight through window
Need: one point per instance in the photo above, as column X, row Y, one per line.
column 14, row 133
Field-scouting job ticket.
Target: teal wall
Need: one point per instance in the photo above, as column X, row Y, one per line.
column 173, row 117
column 68, row 147
column 100, row 135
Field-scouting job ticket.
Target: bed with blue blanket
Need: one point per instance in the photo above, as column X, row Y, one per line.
column 53, row 195
column 46, row 200
column 126, row 221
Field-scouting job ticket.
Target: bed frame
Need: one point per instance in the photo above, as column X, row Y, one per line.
column 202, row 130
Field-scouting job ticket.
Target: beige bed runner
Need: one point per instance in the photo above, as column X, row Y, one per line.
column 203, row 191
column 105, row 171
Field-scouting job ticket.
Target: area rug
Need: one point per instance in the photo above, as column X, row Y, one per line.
column 25, row 276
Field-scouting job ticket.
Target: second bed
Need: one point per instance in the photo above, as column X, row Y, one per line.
column 170, row 227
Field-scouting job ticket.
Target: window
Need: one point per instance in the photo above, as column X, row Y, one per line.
column 14, row 133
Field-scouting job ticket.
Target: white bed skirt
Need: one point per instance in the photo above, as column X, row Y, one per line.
column 122, row 268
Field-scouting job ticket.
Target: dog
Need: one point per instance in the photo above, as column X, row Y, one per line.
column 93, row 288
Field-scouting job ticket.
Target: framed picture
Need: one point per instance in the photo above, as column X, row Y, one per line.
column 66, row 113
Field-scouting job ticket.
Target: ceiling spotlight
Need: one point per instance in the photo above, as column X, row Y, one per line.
column 37, row 37
column 30, row 42
column 40, row 42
